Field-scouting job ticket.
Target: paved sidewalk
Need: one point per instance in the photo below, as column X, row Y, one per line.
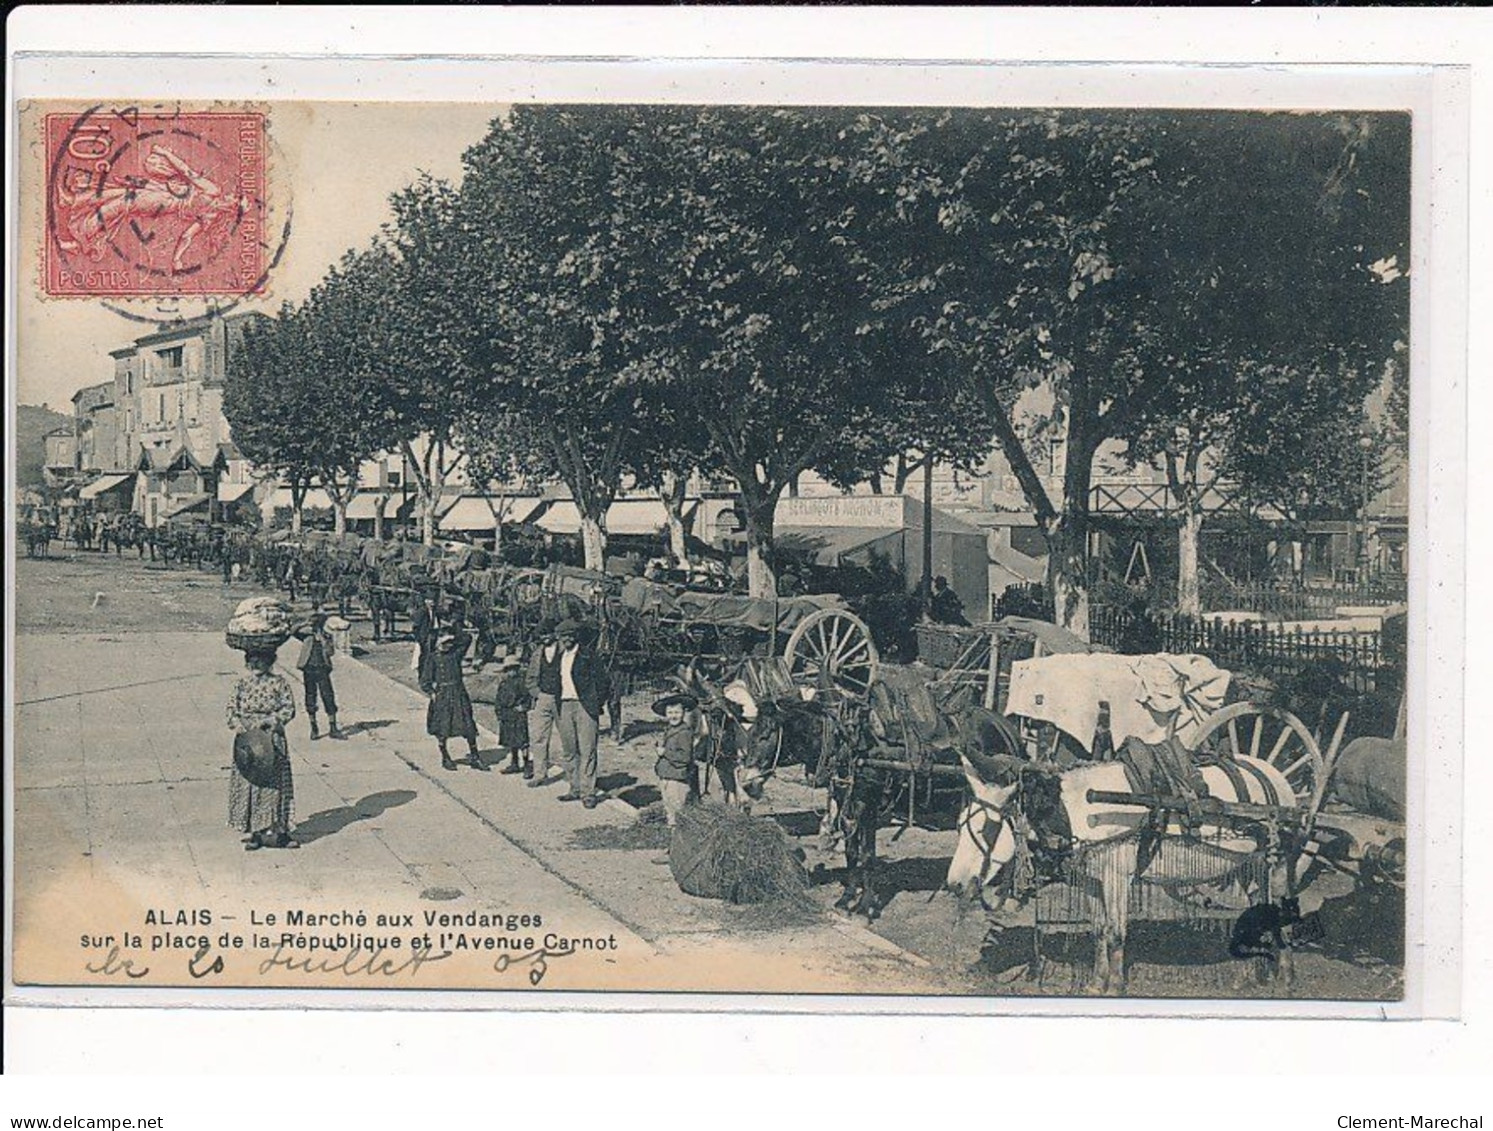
column 121, row 775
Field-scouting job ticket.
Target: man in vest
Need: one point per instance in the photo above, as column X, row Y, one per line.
column 544, row 679
column 583, row 690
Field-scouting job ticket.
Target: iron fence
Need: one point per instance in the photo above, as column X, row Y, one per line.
column 1274, row 650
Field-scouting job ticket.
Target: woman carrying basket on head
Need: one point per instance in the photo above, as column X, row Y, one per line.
column 261, row 792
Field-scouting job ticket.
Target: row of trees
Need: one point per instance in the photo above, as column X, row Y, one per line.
column 629, row 294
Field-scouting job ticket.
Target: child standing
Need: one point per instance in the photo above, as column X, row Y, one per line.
column 512, row 703
column 316, row 674
column 676, row 754
column 449, row 714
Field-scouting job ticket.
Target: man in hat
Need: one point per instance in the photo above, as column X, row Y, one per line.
column 544, row 681
column 316, row 674
column 676, row 754
column 944, row 606
column 584, row 688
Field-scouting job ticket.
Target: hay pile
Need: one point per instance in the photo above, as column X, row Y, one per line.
column 719, row 852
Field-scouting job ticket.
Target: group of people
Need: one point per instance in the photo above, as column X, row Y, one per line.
column 558, row 694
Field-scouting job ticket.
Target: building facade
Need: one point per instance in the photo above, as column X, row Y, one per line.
column 95, row 424
column 169, row 425
column 60, row 456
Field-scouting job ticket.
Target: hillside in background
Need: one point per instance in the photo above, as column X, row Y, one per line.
column 32, row 423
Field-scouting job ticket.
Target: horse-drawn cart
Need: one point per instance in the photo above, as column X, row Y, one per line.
column 1160, row 800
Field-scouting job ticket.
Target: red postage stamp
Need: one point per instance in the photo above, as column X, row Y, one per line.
column 148, row 203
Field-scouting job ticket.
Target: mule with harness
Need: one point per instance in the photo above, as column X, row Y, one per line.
column 1161, row 825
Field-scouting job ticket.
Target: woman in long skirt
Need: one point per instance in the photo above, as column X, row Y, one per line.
column 262, row 701
column 449, row 714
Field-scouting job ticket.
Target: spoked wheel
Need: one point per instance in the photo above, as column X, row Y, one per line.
column 1275, row 736
column 833, row 647
column 1249, row 730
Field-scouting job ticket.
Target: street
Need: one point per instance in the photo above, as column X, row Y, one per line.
column 121, row 778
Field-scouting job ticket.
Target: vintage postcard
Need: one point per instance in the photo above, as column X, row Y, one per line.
column 892, row 551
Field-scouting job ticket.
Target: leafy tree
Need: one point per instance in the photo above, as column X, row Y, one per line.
column 757, row 300
column 534, row 262
column 271, row 406
column 1266, row 335
column 1076, row 251
column 501, row 451
column 291, row 401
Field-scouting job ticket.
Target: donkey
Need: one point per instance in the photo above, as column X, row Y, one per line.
column 1106, row 841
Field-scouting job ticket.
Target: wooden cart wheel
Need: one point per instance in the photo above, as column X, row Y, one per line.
column 1250, row 730
column 835, row 645
column 1273, row 735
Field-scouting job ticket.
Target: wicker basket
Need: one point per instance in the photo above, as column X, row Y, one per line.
column 260, row 642
column 941, row 645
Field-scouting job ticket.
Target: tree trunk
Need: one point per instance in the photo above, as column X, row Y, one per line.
column 1068, row 538
column 378, row 517
column 339, row 521
column 927, row 538
column 594, row 541
column 1068, row 575
column 498, row 515
column 905, row 468
column 1189, row 588
column 434, row 482
column 297, row 505
column 761, row 581
column 430, row 499
column 672, row 491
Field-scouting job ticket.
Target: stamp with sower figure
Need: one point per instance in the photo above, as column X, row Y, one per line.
column 145, row 203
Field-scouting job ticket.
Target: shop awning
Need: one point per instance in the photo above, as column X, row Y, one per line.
column 471, row 512
column 626, row 516
column 316, row 499
column 364, row 508
column 104, row 484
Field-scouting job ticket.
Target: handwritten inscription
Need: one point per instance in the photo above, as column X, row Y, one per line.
column 113, row 964
column 355, row 962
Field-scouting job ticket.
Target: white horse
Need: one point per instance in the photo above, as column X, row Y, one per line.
column 1105, row 847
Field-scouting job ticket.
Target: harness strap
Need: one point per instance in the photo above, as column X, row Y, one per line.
column 1236, row 778
column 1272, row 795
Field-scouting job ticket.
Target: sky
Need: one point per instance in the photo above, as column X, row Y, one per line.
column 334, row 163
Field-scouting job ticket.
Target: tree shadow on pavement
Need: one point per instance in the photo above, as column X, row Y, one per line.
column 366, row 726
column 330, row 821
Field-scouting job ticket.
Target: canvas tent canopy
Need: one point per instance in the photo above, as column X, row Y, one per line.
column 188, row 505
column 853, row 530
column 316, row 499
